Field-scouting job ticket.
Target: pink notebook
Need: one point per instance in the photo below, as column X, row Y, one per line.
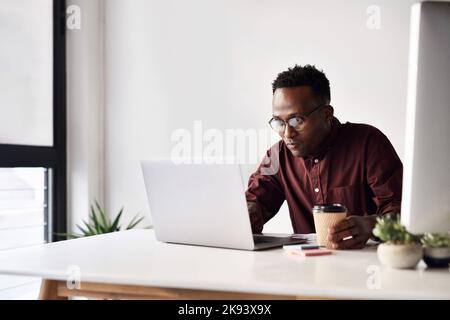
column 310, row 253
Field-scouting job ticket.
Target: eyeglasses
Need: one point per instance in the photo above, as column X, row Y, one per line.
column 296, row 122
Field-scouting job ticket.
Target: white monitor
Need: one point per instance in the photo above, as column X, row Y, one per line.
column 426, row 182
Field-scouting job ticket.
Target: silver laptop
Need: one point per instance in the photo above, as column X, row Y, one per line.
column 203, row 204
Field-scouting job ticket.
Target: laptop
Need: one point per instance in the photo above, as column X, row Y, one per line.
column 203, row 204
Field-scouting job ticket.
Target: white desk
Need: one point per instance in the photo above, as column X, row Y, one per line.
column 132, row 264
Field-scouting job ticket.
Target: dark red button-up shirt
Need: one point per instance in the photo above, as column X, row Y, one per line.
column 357, row 166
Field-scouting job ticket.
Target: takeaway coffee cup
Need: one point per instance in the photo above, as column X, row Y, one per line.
column 325, row 216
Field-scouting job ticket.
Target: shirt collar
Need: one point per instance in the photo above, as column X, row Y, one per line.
column 329, row 141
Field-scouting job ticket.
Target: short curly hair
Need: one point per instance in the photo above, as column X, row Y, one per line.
column 307, row 75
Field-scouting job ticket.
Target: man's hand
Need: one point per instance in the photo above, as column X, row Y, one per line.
column 256, row 212
column 356, row 227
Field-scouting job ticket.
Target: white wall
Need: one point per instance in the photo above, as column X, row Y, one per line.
column 85, row 111
column 168, row 63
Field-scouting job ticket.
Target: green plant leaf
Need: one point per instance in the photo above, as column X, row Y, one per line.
column 96, row 225
column 83, row 231
column 436, row 240
column 91, row 229
column 99, row 223
column 389, row 229
column 134, row 222
column 115, row 224
column 105, row 220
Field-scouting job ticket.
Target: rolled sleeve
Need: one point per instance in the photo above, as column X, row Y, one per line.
column 265, row 190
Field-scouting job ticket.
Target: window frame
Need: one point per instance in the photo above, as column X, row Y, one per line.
column 54, row 158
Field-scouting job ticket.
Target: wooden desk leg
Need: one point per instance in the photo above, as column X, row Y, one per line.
column 49, row 290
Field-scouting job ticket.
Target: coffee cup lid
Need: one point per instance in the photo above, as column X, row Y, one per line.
column 330, row 207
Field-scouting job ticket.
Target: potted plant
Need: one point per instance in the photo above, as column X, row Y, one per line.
column 100, row 223
column 400, row 249
column 436, row 253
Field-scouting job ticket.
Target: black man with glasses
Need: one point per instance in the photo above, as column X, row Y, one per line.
column 320, row 160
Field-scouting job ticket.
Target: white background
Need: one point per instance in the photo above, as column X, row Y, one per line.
column 168, row 63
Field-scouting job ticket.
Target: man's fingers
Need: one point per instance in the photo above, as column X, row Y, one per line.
column 341, row 226
column 354, row 243
column 339, row 236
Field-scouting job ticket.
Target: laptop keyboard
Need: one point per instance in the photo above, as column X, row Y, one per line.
column 266, row 239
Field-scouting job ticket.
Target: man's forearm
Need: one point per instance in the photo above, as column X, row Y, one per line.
column 258, row 215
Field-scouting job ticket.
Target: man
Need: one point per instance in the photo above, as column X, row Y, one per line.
column 320, row 160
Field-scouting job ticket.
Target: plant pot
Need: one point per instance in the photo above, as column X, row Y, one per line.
column 399, row 256
column 436, row 257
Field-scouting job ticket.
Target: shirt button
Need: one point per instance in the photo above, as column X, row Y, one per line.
column 316, row 160
column 316, row 190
